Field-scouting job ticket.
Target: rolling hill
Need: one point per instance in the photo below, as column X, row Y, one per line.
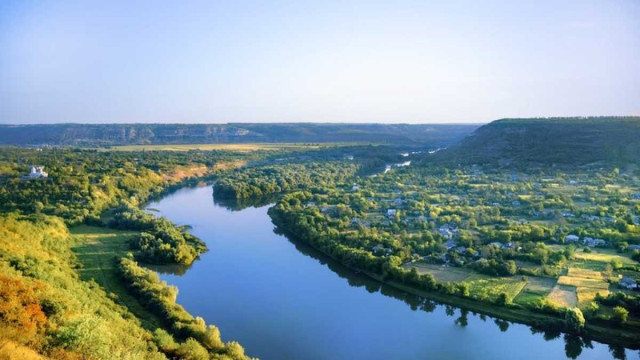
column 550, row 141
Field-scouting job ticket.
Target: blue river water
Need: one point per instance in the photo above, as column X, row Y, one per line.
column 282, row 300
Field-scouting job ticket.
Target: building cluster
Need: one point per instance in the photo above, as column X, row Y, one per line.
column 36, row 172
column 588, row 241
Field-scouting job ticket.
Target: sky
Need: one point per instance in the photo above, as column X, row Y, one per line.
column 325, row 61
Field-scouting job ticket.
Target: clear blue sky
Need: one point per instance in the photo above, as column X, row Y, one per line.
column 342, row 61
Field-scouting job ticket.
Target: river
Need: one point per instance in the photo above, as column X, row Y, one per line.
column 282, row 300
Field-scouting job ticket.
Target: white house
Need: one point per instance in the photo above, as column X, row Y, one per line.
column 37, row 172
column 571, row 238
column 593, row 242
column 628, row 283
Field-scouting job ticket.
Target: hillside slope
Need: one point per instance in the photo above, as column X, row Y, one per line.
column 126, row 134
column 551, row 141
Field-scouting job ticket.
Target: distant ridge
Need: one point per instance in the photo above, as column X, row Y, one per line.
column 551, row 141
column 131, row 134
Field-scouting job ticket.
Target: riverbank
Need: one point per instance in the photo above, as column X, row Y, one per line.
column 545, row 322
column 106, row 257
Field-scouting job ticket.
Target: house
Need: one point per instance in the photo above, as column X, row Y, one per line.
column 628, row 283
column 634, row 247
column 571, row 238
column 380, row 249
column 515, row 203
column 445, row 232
column 391, row 212
column 450, row 244
column 355, row 187
column 590, row 242
column 568, row 214
column 37, row 172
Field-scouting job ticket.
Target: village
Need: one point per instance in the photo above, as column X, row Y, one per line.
column 563, row 234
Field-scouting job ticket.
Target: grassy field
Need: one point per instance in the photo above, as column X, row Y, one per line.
column 536, row 289
column 446, row 273
column 563, row 295
column 490, row 289
column 604, row 256
column 229, row 147
column 97, row 249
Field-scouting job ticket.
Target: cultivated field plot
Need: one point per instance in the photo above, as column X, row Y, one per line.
column 490, row 289
column 587, row 284
column 446, row 273
column 603, row 256
column 564, row 295
column 535, row 289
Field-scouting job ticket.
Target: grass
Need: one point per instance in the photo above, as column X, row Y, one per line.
column 97, row 249
column 563, row 295
column 584, row 273
column 248, row 147
column 490, row 289
column 604, row 256
column 583, row 282
column 446, row 273
column 536, row 288
column 587, row 284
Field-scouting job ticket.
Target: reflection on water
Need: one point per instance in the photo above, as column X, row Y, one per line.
column 275, row 296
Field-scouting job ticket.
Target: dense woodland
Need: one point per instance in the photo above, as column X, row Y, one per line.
column 265, row 180
column 47, row 308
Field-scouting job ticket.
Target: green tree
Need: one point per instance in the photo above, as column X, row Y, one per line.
column 574, row 319
column 620, row 314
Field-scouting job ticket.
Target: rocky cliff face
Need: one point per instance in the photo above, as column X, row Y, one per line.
column 126, row 134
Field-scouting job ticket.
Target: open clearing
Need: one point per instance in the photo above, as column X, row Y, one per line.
column 490, row 289
column 603, row 256
column 535, row 289
column 97, row 249
column 446, row 273
column 563, row 295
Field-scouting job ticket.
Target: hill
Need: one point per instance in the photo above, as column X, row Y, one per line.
column 128, row 134
column 550, row 141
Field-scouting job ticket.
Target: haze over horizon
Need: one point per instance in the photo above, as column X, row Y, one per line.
column 358, row 61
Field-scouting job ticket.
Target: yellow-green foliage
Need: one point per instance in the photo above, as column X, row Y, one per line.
column 583, row 282
column 70, row 318
column 490, row 289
